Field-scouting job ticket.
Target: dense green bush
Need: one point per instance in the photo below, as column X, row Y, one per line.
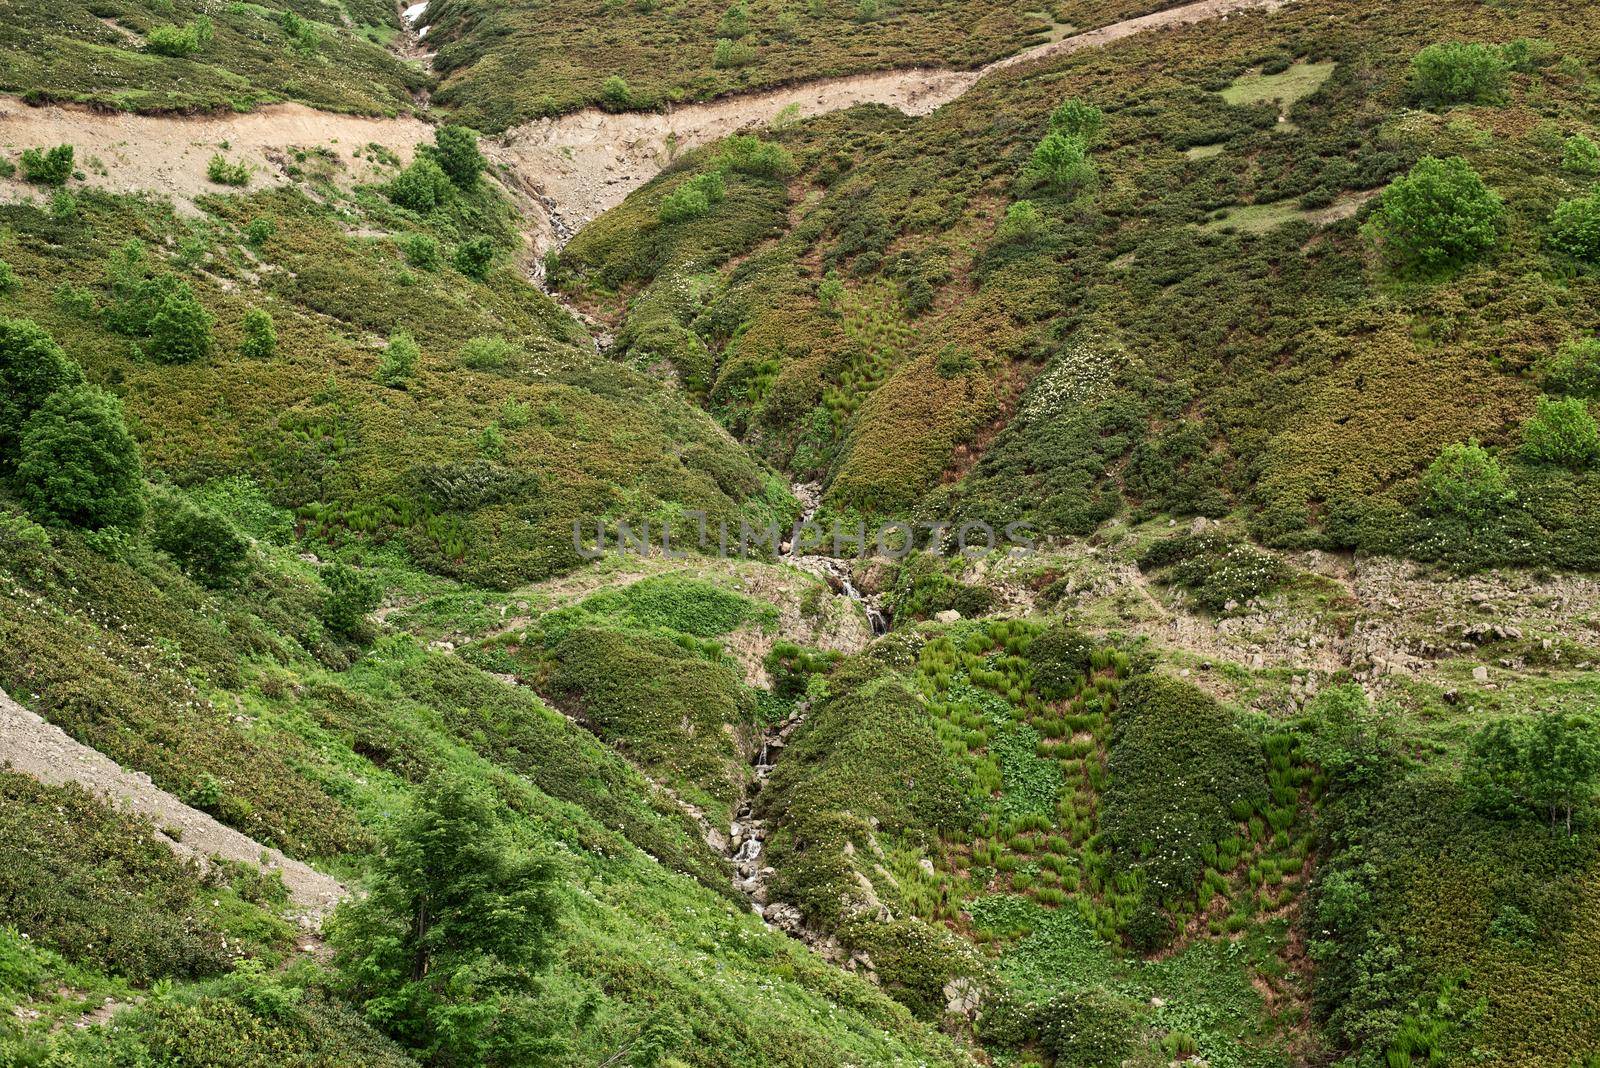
column 1581, row 155
column 694, row 198
column 1179, row 770
column 456, row 150
column 747, row 154
column 1575, row 229
column 219, row 170
column 1546, row 767
column 1086, row 1029
column 181, row 41
column 444, row 952
column 1439, row 215
column 928, row 583
column 474, row 258
column 1079, row 119
column 615, row 94
column 1561, row 433
column 47, row 166
column 77, row 464
column 421, row 187
column 32, row 366
column 420, row 250
column 1466, row 482
column 260, row 340
column 351, row 596
column 1061, row 657
column 1221, row 570
column 1454, row 73
column 1061, row 161
column 1573, row 369
column 203, row 542
column 399, row 360
column 179, row 327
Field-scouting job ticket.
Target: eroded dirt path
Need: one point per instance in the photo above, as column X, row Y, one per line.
column 564, row 171
column 41, row 750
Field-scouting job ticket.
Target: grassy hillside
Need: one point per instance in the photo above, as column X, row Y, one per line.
column 151, row 56
column 1192, row 324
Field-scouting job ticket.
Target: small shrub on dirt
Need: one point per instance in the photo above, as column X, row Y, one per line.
column 52, row 166
column 1221, row 571
column 221, row 171
column 455, row 148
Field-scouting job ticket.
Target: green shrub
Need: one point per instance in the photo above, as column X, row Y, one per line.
column 421, row 187
column 1575, row 229
column 615, row 94
column 201, row 540
column 747, row 154
column 730, row 53
column 1086, row 1029
column 1220, row 570
column 260, row 340
column 487, row 353
column 222, row 172
column 1526, row 55
column 179, row 329
column 63, row 206
column 420, row 250
column 444, row 951
column 259, row 230
column 1581, row 155
column 693, row 199
column 1023, row 222
column 1061, row 658
column 8, row 277
column 32, row 367
column 1075, row 118
column 351, row 596
column 456, row 150
column 735, row 21
column 399, row 360
column 474, row 258
column 1454, row 73
column 1561, row 433
column 1439, row 215
column 78, row 465
column 48, row 166
column 1573, row 369
column 1545, row 767
column 1465, row 482
column 300, row 34
column 1061, row 161
column 181, row 41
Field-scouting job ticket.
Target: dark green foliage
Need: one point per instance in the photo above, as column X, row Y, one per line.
column 89, row 882
column 1545, row 767
column 1455, row 73
column 1062, row 658
column 693, row 198
column 1080, row 119
column 202, row 541
column 77, row 464
column 1561, row 433
column 1178, row 767
column 444, row 952
column 179, row 328
column 1581, row 155
column 420, row 250
column 1575, row 229
column 1086, row 1029
column 928, row 583
column 1440, row 215
column 350, row 597
column 52, row 166
column 422, row 186
column 1466, row 482
column 456, row 150
column 181, row 41
column 1221, row 571
column 260, row 340
column 32, row 366
column 474, row 258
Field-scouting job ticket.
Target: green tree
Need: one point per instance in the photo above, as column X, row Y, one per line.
column 1561, row 433
column 421, row 187
column 179, row 330
column 260, row 335
column 1546, row 767
column 1574, row 369
column 32, row 366
column 1438, row 215
column 693, row 199
column 1455, row 73
column 1061, row 161
column 1076, row 118
column 51, row 166
column 1465, row 482
column 399, row 360
column 203, row 542
column 78, row 465
column 445, row 952
column 615, row 94
column 474, row 258
column 1575, row 228
column 456, row 150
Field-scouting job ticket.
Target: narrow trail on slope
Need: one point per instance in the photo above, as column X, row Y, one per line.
column 564, row 171
column 41, row 750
